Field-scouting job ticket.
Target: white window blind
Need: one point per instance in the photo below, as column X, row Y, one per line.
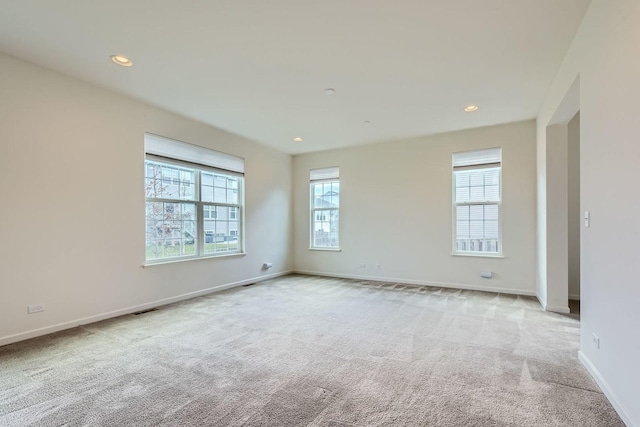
column 324, row 173
column 172, row 149
column 477, row 158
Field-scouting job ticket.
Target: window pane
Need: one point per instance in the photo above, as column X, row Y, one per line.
column 219, row 195
column 232, row 196
column 462, row 194
column 476, row 194
column 476, row 178
column 325, row 228
column 491, row 229
column 326, row 194
column 476, row 212
column 462, row 229
column 169, row 181
column 207, row 179
column 221, row 236
column 477, row 228
column 491, row 212
column 171, row 230
column 206, row 193
column 479, row 185
column 462, row 179
column 222, row 212
column 492, row 193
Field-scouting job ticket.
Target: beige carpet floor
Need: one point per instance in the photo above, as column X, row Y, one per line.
column 310, row 351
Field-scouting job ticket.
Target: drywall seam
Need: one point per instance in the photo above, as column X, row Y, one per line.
column 128, row 310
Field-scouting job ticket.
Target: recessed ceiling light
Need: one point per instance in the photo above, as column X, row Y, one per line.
column 470, row 108
column 329, row 91
column 297, row 139
column 121, row 60
column 367, row 122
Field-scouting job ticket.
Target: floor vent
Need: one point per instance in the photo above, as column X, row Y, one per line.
column 145, row 311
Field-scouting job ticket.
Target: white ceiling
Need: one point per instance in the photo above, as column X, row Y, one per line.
column 258, row 68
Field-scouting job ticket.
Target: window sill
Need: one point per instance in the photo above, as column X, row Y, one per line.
column 326, row 249
column 173, row 261
column 477, row 255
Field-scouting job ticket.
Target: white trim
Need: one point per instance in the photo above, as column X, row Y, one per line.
column 606, row 389
column 193, row 258
column 199, row 204
column 554, row 309
column 420, row 283
column 575, row 297
column 455, row 205
column 313, row 209
column 128, row 310
column 557, row 309
column 479, row 254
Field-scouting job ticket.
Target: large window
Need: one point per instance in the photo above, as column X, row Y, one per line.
column 477, row 202
column 192, row 209
column 325, row 208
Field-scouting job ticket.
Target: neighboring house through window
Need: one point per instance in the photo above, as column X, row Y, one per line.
column 209, row 212
column 193, row 201
column 325, row 208
column 477, row 198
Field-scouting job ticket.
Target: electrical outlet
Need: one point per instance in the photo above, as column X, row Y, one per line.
column 35, row 308
column 596, row 341
column 362, row 265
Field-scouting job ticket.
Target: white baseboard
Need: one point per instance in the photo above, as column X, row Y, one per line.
column 420, row 283
column 575, row 297
column 606, row 389
column 128, row 310
column 557, row 309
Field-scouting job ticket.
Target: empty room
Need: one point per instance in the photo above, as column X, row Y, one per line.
column 330, row 213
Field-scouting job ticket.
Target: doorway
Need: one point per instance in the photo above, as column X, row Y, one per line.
column 574, row 213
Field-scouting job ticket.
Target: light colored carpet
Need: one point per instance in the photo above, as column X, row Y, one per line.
column 310, row 351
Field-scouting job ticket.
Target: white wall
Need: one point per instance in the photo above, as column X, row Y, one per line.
column 575, row 218
column 396, row 210
column 557, row 219
column 604, row 56
column 72, row 215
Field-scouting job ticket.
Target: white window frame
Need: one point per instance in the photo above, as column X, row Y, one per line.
column 476, row 160
column 174, row 153
column 323, row 176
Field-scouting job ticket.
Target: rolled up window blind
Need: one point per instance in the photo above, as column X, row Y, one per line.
column 171, row 149
column 324, row 173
